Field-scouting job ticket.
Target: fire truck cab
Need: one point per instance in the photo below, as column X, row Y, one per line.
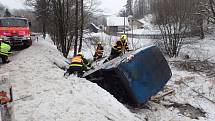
column 15, row 31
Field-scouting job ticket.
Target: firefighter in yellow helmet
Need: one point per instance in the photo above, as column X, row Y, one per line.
column 4, row 52
column 99, row 51
column 119, row 48
column 78, row 64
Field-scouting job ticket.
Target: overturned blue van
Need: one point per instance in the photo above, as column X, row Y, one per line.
column 134, row 77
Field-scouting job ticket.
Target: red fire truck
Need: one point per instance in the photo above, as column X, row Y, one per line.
column 15, row 31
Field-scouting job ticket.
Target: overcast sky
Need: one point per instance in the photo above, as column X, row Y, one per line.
column 108, row 6
column 112, row 6
column 13, row 4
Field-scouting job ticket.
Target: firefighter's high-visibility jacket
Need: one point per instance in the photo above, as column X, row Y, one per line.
column 4, row 49
column 121, row 47
column 99, row 51
column 79, row 61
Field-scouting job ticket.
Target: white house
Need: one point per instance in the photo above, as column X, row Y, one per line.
column 116, row 24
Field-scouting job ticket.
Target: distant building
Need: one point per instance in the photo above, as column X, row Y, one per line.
column 116, row 24
column 136, row 23
column 93, row 28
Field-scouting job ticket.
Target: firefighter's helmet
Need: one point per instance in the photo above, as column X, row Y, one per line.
column 123, row 37
column 99, row 43
column 80, row 54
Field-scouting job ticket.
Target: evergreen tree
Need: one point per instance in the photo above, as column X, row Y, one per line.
column 7, row 13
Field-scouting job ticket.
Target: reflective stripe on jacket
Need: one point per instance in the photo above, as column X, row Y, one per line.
column 120, row 46
column 76, row 61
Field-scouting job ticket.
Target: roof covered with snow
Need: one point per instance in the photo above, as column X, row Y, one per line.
column 95, row 26
column 117, row 21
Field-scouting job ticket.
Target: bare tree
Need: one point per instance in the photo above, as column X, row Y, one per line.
column 82, row 24
column 41, row 12
column 76, row 26
column 123, row 13
column 208, row 10
column 141, row 8
column 129, row 10
column 64, row 20
column 210, row 7
column 57, row 16
column 174, row 18
column 36, row 25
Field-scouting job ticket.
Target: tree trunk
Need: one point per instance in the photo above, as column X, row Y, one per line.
column 202, row 35
column 82, row 24
column 44, row 29
column 76, row 28
column 211, row 7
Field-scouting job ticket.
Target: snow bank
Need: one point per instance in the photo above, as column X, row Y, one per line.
column 33, row 73
column 197, row 49
column 185, row 94
column 200, row 49
column 51, row 97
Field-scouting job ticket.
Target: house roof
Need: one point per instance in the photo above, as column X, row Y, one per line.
column 117, row 21
column 140, row 22
column 96, row 27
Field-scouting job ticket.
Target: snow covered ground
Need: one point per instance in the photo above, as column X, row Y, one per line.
column 184, row 96
column 190, row 88
column 33, row 73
